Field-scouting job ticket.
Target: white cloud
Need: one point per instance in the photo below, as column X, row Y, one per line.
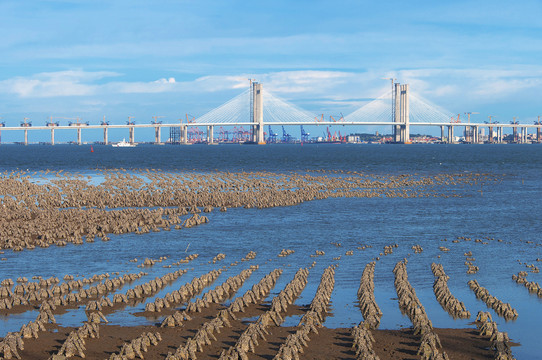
column 55, row 84
column 318, row 90
column 219, row 83
column 475, row 86
column 170, row 80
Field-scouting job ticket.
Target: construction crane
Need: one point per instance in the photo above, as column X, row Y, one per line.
column 190, row 121
column 272, row 136
column 155, row 121
column 469, row 114
column 24, row 123
column 285, row 136
column 71, row 123
column 319, row 119
column 304, row 135
column 130, row 121
column 491, row 120
column 52, row 123
column 104, row 122
column 455, row 121
column 339, row 120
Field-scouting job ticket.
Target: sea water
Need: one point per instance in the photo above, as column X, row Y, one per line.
column 509, row 210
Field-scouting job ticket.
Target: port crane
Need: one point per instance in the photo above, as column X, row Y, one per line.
column 223, row 135
column 329, row 136
column 285, row 136
column 272, row 136
column 342, row 138
column 304, row 135
column 195, row 135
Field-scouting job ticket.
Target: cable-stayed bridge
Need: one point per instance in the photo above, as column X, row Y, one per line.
column 256, row 108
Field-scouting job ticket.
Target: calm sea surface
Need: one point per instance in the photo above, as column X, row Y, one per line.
column 509, row 210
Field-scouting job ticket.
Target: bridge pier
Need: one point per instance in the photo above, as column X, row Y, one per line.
column 52, row 136
column 184, row 134
column 131, row 134
column 257, row 114
column 105, row 136
column 490, row 135
column 78, row 136
column 26, row 136
column 210, row 135
column 538, row 134
column 157, row 134
column 471, row 135
column 401, row 114
column 450, row 134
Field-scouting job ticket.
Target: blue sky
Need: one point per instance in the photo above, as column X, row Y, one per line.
column 143, row 58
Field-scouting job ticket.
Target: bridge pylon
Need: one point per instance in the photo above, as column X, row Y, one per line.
column 257, row 113
column 401, row 114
